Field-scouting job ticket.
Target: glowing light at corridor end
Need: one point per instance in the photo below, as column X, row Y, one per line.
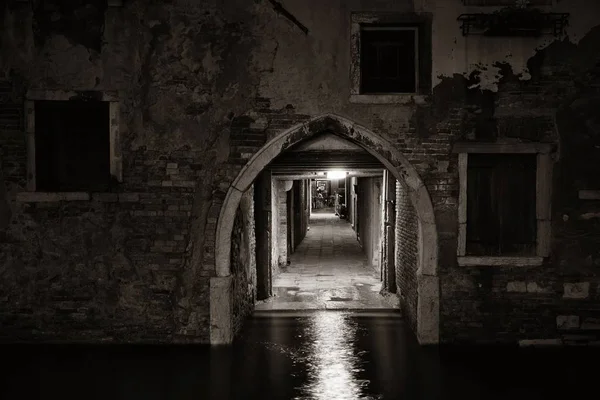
column 336, row 174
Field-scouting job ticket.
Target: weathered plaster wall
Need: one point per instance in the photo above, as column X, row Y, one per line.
column 550, row 101
column 203, row 85
column 315, row 87
column 127, row 265
column 457, row 54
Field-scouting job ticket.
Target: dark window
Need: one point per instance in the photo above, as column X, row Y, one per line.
column 388, row 60
column 72, row 145
column 501, row 217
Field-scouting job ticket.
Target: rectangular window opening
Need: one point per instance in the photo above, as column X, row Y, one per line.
column 501, row 205
column 389, row 59
column 72, row 146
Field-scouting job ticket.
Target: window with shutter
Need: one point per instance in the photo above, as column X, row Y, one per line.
column 504, row 203
column 501, row 201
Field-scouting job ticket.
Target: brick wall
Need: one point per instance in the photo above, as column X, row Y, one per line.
column 96, row 266
column 13, row 153
column 555, row 303
column 243, row 260
column 106, row 267
column 406, row 254
column 135, row 263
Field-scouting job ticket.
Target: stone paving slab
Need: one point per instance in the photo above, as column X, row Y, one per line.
column 328, row 271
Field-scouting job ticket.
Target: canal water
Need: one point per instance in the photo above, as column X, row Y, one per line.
column 321, row 355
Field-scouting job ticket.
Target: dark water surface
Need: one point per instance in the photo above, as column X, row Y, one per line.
column 324, row 355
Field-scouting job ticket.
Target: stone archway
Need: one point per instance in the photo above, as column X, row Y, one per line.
column 428, row 292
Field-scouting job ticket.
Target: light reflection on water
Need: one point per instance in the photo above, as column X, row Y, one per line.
column 331, row 360
column 325, row 355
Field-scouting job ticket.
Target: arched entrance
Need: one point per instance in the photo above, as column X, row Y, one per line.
column 427, row 272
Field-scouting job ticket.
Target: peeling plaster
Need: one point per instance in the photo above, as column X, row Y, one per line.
column 466, row 55
column 184, row 71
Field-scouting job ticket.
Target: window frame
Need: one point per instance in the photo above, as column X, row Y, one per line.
column 422, row 24
column 115, row 161
column 543, row 173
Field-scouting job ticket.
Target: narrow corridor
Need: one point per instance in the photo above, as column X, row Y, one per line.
column 328, row 270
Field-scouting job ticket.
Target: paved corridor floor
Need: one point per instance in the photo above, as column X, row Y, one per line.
column 328, row 270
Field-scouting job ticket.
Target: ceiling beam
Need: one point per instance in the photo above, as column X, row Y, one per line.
column 359, row 174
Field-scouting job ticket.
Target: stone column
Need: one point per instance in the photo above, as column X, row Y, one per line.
column 262, row 213
column 390, row 231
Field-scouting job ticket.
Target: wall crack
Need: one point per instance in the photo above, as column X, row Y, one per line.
column 279, row 9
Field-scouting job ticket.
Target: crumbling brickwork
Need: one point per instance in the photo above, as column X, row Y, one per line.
column 243, row 260
column 508, row 304
column 202, row 86
column 406, row 254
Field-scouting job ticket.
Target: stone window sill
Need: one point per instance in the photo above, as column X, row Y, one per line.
column 35, row 197
column 589, row 194
column 397, row 98
column 50, row 197
column 477, row 261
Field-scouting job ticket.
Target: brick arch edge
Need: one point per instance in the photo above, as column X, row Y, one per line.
column 428, row 290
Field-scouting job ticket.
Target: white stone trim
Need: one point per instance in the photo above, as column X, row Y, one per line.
column 477, row 261
column 116, row 161
column 39, row 197
column 543, row 203
column 30, row 132
column 544, row 167
column 503, row 148
column 221, row 313
column 589, row 194
column 428, row 309
column 64, row 95
column 541, row 342
column 388, row 98
column 462, row 203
